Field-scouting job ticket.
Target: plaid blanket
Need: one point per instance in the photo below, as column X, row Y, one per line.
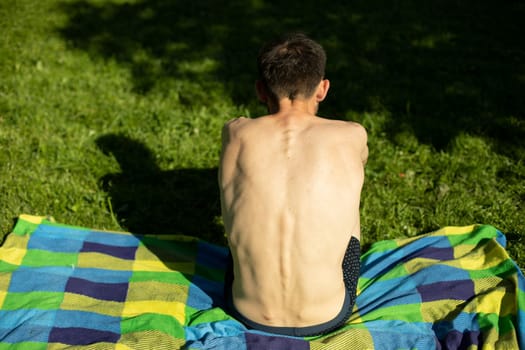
column 66, row 287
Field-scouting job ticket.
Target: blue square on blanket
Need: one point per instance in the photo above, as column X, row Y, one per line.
column 87, row 320
column 121, row 252
column 53, row 239
column 98, row 290
column 36, row 326
column 456, row 290
column 434, row 253
column 436, row 273
column 116, row 239
column 39, row 279
column 256, row 341
column 84, row 328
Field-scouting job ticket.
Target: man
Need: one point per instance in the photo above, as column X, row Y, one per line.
column 290, row 190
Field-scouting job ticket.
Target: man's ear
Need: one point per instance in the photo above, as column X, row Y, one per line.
column 260, row 89
column 322, row 90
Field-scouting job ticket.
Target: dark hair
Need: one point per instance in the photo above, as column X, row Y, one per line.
column 291, row 66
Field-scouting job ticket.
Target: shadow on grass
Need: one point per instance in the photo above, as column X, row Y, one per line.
column 147, row 200
column 436, row 68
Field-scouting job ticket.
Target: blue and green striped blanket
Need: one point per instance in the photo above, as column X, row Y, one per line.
column 66, row 287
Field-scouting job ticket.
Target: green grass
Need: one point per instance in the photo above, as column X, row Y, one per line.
column 110, row 111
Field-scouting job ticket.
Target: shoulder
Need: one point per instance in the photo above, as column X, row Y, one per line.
column 348, row 129
column 235, row 123
column 232, row 127
column 355, row 135
column 359, row 137
column 245, row 126
column 357, row 130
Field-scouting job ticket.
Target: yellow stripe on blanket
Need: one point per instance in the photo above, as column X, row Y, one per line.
column 34, row 219
column 454, row 230
column 14, row 249
column 170, row 308
column 97, row 346
column 79, row 302
column 169, row 292
column 3, row 294
column 103, row 261
column 481, row 259
column 150, row 340
column 498, row 301
column 159, row 266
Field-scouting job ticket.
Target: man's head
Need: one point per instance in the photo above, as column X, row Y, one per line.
column 291, row 67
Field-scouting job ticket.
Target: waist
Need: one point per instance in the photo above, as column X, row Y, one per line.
column 299, row 331
column 297, row 306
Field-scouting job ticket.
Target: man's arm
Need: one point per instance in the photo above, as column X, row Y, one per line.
column 227, row 164
column 229, row 150
column 360, row 138
column 364, row 151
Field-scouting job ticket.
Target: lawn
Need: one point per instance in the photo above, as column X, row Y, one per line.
column 110, row 111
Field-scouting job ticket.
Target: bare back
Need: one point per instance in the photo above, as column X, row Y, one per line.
column 290, row 190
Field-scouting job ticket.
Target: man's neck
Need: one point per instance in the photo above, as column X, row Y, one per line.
column 300, row 105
